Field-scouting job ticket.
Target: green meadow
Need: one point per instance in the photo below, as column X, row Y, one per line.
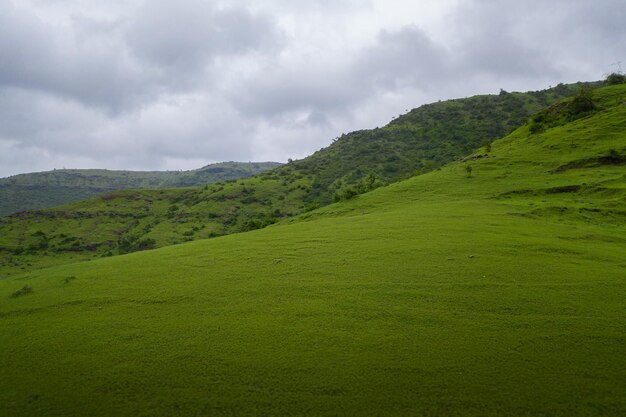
column 495, row 291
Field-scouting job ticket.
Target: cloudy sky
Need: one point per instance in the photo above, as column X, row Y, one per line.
column 177, row 84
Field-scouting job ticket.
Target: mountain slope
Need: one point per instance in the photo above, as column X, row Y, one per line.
column 46, row 189
column 127, row 221
column 490, row 293
column 423, row 139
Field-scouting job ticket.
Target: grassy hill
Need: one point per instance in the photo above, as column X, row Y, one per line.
column 494, row 292
column 52, row 188
column 126, row 221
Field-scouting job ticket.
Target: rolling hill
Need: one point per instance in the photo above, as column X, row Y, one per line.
column 486, row 292
column 126, row 221
column 52, row 188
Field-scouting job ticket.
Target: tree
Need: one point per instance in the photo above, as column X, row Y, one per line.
column 583, row 101
column 615, row 78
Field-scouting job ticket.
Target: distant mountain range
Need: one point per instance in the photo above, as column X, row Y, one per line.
column 61, row 186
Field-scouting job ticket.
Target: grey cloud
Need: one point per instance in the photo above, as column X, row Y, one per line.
column 188, row 34
column 397, row 58
column 407, row 56
column 492, row 41
column 275, row 92
column 36, row 120
column 329, row 8
column 24, row 47
column 539, row 40
column 123, row 63
column 318, row 119
column 37, row 56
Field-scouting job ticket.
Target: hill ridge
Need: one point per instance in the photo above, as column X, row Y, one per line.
column 38, row 190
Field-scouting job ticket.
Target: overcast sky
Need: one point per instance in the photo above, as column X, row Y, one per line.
column 177, row 84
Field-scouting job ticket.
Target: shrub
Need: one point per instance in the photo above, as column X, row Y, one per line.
column 171, row 211
column 253, row 224
column 133, row 243
column 309, row 207
column 536, row 127
column 582, row 102
column 613, row 158
column 26, row 289
column 559, row 114
column 615, row 78
column 367, row 183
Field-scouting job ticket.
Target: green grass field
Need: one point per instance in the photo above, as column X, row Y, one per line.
column 499, row 294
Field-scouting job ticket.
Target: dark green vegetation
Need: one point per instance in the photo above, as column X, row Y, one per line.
column 126, row 221
column 499, row 294
column 615, row 78
column 51, row 188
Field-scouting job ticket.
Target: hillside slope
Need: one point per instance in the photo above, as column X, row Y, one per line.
column 126, row 221
column 52, row 188
column 422, row 140
column 494, row 292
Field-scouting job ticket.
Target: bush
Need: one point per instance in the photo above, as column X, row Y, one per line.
column 309, row 207
column 536, row 127
column 559, row 114
column 26, row 289
column 171, row 211
column 367, row 183
column 254, row 224
column 582, row 102
column 615, row 78
column 133, row 243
